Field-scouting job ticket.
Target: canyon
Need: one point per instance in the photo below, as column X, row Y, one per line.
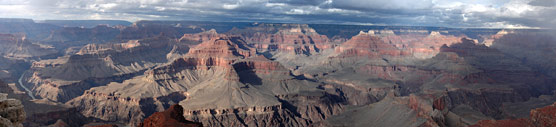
column 188, row 73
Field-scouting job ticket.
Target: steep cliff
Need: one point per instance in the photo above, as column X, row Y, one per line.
column 11, row 112
column 366, row 44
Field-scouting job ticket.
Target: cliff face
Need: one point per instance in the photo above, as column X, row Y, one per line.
column 108, row 108
column 544, row 117
column 368, row 45
column 299, row 109
column 11, row 112
column 227, row 47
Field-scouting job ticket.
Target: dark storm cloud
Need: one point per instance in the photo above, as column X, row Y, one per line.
column 451, row 13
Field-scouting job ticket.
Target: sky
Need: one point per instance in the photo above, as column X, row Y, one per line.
column 444, row 13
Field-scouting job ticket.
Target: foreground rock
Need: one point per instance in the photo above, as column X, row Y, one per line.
column 540, row 117
column 172, row 117
column 11, row 112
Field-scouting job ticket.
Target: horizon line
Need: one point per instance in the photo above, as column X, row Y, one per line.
column 270, row 22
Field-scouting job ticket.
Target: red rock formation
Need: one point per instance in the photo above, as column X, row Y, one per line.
column 217, row 52
column 368, row 45
column 544, row 117
column 503, row 123
column 227, row 47
column 172, row 117
column 540, row 117
column 439, row 103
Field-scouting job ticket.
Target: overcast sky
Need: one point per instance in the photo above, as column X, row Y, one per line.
column 448, row 13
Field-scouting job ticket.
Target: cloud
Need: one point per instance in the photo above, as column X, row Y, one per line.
column 383, row 4
column 449, row 13
column 544, row 3
column 299, row 2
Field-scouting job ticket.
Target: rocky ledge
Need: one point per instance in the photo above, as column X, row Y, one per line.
column 11, row 112
column 172, row 117
column 540, row 117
